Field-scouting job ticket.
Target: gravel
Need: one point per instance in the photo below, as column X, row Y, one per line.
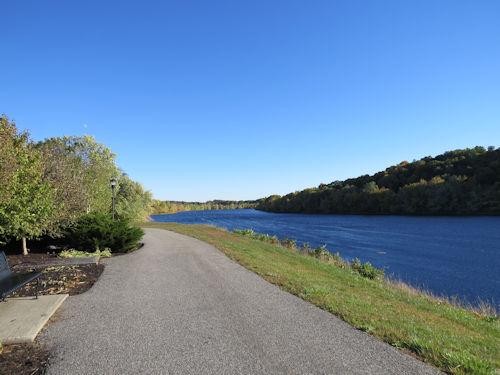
column 179, row 306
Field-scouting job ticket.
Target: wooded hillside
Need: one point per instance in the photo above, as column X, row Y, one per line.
column 170, row 207
column 459, row 182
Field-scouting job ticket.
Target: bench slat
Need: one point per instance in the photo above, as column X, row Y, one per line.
column 16, row 281
column 4, row 266
column 10, row 281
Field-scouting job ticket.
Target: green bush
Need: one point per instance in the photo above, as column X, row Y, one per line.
column 366, row 269
column 244, row 232
column 97, row 231
column 71, row 253
column 267, row 238
column 306, row 247
column 320, row 251
column 257, row 236
column 288, row 242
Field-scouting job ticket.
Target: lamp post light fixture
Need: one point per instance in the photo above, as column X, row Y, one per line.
column 113, row 185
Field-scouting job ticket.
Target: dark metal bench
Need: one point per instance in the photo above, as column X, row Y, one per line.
column 10, row 281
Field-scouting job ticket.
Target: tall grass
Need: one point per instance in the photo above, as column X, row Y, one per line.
column 320, row 252
column 482, row 308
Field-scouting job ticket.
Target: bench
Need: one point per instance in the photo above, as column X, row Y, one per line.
column 10, row 281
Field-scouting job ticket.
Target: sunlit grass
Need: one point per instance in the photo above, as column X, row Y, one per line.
column 455, row 340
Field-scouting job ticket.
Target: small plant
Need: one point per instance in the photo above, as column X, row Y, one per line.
column 263, row 237
column 244, row 232
column 320, row 252
column 306, row 247
column 274, row 240
column 366, row 269
column 72, row 253
column 257, row 236
column 288, row 242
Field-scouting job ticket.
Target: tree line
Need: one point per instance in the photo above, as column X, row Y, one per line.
column 45, row 187
column 459, row 182
column 170, row 207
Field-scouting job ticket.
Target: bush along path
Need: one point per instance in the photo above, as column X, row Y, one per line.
column 453, row 339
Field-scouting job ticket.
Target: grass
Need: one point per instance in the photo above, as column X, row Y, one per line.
column 453, row 339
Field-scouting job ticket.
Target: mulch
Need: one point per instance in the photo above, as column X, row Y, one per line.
column 70, row 280
column 32, row 358
column 24, row 359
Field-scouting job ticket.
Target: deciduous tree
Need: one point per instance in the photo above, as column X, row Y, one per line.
column 27, row 202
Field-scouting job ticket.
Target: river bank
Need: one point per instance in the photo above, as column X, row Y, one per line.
column 449, row 256
column 454, row 340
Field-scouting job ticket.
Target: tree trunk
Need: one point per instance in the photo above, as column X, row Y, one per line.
column 25, row 250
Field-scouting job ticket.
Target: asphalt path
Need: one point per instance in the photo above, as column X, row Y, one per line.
column 180, row 306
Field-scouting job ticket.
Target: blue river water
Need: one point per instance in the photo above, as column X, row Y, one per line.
column 450, row 256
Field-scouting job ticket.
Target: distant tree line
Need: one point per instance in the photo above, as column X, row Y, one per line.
column 46, row 187
column 170, row 207
column 459, row 182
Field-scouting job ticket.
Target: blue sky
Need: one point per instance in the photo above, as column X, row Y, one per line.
column 243, row 99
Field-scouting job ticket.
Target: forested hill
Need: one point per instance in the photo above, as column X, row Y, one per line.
column 460, row 182
column 170, row 207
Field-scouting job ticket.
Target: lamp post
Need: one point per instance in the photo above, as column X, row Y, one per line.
column 113, row 184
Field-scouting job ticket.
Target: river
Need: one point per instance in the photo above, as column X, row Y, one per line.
column 451, row 256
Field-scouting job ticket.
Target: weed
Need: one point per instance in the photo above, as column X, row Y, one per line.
column 288, row 242
column 320, row 251
column 366, row 269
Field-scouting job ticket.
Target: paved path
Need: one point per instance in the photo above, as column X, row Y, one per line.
column 179, row 306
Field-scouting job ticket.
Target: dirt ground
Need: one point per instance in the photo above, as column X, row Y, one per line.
column 32, row 358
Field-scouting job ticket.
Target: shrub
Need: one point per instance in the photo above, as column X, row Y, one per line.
column 97, row 231
column 366, row 269
column 262, row 237
column 274, row 240
column 71, row 253
column 288, row 242
column 305, row 247
column 320, row 251
column 257, row 236
column 244, row 232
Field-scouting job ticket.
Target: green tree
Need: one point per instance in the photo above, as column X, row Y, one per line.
column 27, row 202
column 132, row 202
column 62, row 171
column 92, row 162
column 459, row 182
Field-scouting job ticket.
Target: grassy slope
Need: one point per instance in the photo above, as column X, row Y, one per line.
column 452, row 339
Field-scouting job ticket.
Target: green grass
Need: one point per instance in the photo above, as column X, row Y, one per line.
column 452, row 339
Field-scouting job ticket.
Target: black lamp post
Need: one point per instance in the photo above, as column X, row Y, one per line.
column 113, row 184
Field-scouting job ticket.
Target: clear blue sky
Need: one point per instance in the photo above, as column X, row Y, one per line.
column 243, row 99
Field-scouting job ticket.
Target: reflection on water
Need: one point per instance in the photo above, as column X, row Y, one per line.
column 455, row 256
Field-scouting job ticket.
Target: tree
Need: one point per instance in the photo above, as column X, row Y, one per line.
column 61, row 170
column 132, row 202
column 93, row 164
column 27, row 201
column 459, row 182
